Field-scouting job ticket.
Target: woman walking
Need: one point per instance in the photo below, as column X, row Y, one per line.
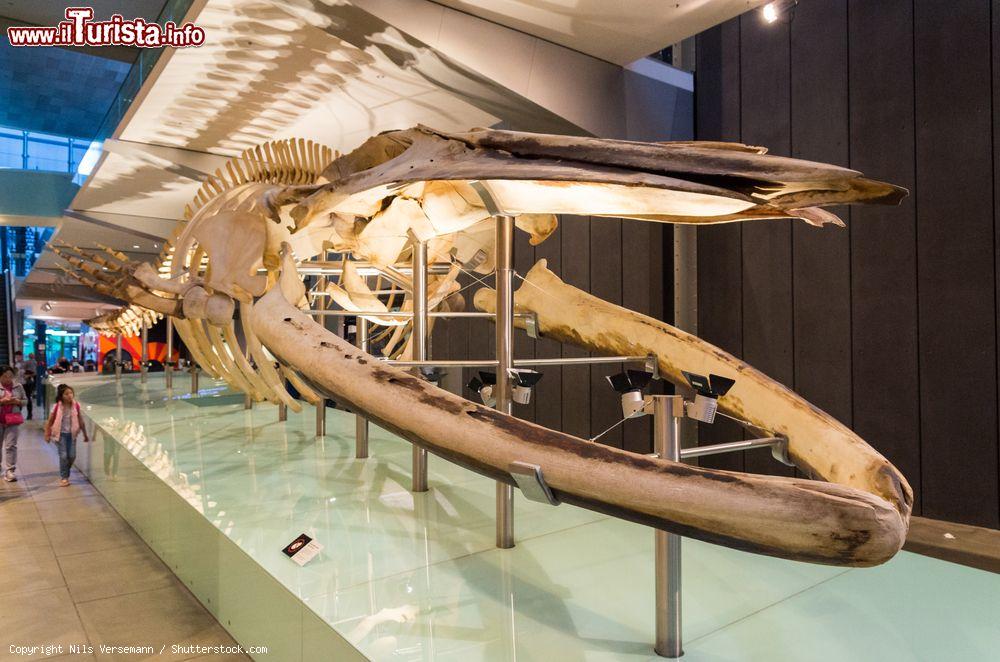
column 12, row 398
column 64, row 425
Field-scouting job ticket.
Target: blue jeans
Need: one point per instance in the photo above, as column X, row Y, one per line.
column 67, row 453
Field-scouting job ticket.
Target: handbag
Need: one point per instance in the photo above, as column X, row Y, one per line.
column 8, row 415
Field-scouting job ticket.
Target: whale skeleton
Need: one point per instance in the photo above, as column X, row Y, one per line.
column 253, row 226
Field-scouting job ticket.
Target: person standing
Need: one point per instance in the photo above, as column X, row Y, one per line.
column 40, row 369
column 26, row 377
column 12, row 398
column 63, row 427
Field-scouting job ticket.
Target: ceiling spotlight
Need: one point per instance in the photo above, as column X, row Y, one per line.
column 630, row 384
column 773, row 11
column 46, row 306
column 708, row 391
column 484, row 385
column 524, row 381
column 135, row 245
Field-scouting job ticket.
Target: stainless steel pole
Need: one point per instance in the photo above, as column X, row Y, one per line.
column 360, row 422
column 118, row 357
column 419, row 480
column 247, row 400
column 505, row 361
column 321, row 405
column 668, row 410
column 144, row 339
column 194, row 378
column 282, row 408
column 168, row 368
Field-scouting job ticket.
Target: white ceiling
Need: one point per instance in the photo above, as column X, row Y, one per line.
column 619, row 31
column 268, row 70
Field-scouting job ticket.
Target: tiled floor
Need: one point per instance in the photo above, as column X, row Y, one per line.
column 75, row 573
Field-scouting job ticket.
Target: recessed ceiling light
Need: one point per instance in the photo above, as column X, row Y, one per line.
column 135, row 245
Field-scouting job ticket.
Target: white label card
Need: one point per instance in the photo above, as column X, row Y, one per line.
column 302, row 549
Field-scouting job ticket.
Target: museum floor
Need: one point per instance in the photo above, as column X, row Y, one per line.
column 217, row 491
column 76, row 573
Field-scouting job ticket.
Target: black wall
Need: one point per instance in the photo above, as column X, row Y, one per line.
column 890, row 325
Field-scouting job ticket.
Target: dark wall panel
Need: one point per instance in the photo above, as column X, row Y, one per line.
column 883, row 239
column 720, row 273
column 890, row 325
column 766, row 246
column 955, row 258
column 821, row 261
column 638, row 240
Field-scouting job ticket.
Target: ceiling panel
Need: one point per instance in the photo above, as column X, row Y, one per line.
column 619, row 32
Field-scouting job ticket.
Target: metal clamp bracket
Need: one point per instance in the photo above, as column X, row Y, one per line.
column 532, row 483
column 531, row 325
column 779, row 451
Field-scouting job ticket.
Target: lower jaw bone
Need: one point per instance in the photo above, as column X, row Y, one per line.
column 784, row 517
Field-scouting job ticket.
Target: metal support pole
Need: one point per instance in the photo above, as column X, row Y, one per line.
column 360, row 422
column 169, row 367
column 144, row 339
column 194, row 378
column 505, row 361
column 321, row 405
column 419, row 480
column 247, row 400
column 118, row 357
column 668, row 411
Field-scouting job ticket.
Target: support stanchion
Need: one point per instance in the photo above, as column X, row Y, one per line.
column 505, row 361
column 168, row 368
column 194, row 379
column 320, row 304
column 419, row 480
column 668, row 411
column 360, row 422
column 118, row 357
column 144, row 361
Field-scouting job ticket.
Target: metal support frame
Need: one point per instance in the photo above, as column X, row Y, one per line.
column 517, row 363
column 360, row 422
column 194, row 378
column 419, row 343
column 118, row 357
column 505, row 361
column 668, row 410
column 168, row 366
column 144, row 361
column 732, row 446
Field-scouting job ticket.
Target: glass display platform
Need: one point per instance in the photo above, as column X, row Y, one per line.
column 217, row 491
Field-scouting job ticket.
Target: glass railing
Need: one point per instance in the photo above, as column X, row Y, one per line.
column 33, row 150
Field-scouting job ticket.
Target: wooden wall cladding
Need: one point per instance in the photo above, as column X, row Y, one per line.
column 891, row 324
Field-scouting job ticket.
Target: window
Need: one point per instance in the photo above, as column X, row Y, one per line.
column 11, row 148
column 46, row 152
